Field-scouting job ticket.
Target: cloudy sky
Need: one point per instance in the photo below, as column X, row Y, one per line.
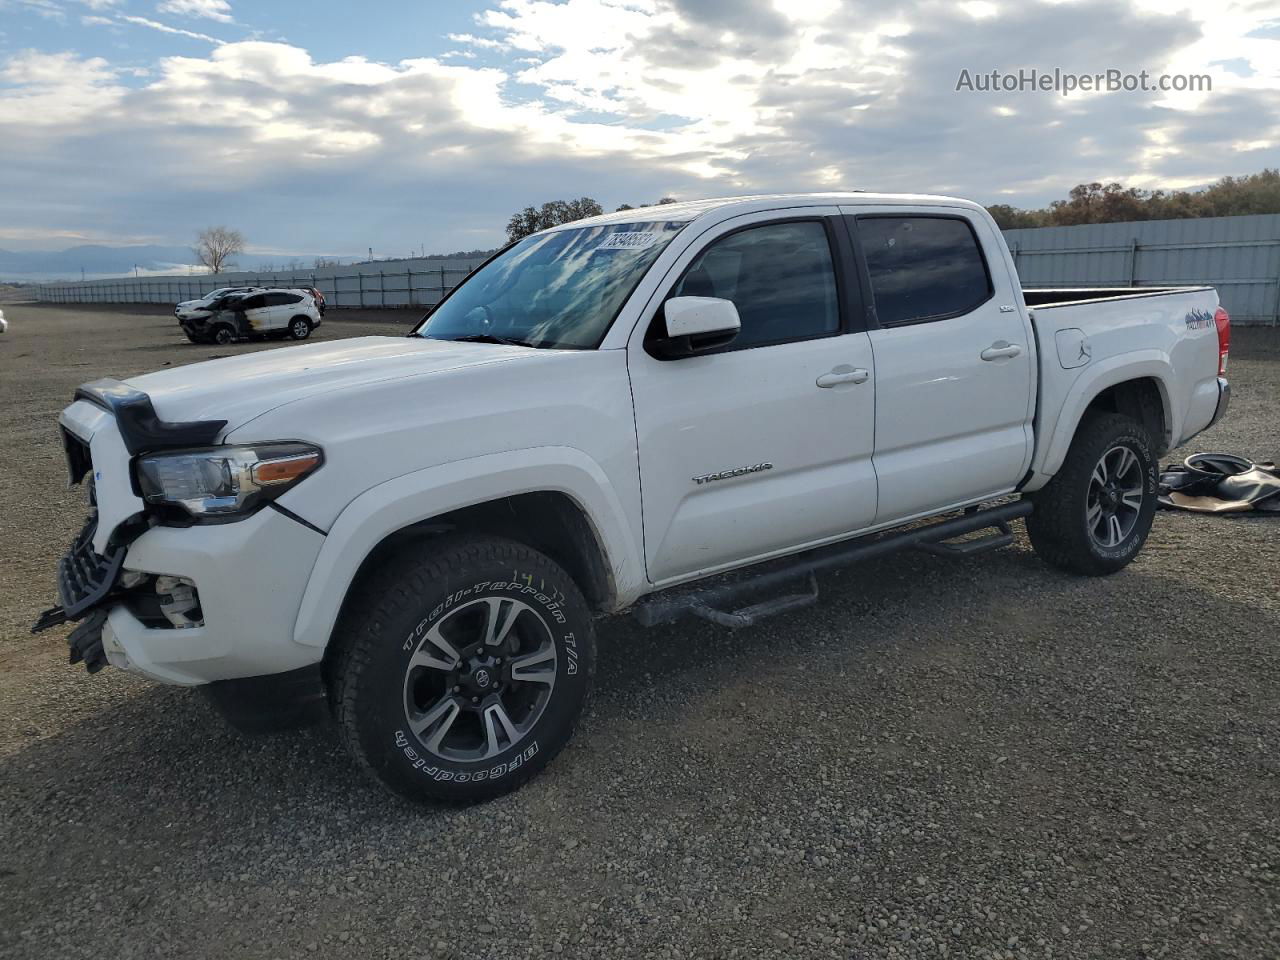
column 325, row 126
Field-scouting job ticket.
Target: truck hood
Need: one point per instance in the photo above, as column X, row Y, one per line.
column 237, row 389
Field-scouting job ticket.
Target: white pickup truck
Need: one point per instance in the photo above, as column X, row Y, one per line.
column 683, row 410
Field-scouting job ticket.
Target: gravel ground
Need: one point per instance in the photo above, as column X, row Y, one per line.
column 982, row 758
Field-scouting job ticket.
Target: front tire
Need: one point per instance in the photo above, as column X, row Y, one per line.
column 461, row 667
column 223, row 335
column 1094, row 516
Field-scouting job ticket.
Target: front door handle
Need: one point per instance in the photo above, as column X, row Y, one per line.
column 843, row 374
column 1000, row 350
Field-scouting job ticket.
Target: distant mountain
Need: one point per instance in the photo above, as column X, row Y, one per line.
column 93, row 258
column 97, row 261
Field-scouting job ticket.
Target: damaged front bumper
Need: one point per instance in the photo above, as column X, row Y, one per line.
column 182, row 605
column 86, row 582
column 248, row 579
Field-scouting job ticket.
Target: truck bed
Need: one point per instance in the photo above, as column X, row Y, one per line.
column 1090, row 338
column 1058, row 296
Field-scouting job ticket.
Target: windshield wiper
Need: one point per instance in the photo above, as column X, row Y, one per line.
column 489, row 338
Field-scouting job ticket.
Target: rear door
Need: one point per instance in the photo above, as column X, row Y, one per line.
column 953, row 359
column 763, row 446
column 275, row 315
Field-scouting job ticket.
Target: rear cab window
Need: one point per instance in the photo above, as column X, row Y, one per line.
column 923, row 268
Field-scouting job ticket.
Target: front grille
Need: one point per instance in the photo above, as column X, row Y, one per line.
column 85, row 576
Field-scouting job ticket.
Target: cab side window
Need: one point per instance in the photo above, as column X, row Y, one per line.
column 923, row 268
column 780, row 276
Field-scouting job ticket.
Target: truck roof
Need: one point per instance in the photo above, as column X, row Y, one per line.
column 688, row 210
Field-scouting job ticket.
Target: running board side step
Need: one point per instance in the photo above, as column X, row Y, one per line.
column 750, row 616
column 967, row 548
column 716, row 600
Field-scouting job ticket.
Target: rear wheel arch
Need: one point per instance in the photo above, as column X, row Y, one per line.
column 1144, row 399
column 1122, row 385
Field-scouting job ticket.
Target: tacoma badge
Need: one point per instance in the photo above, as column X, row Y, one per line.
column 736, row 472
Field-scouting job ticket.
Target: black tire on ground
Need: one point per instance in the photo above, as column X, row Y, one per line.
column 1093, row 517
column 223, row 334
column 299, row 328
column 460, row 668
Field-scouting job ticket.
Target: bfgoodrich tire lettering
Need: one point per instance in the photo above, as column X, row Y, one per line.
column 1109, row 475
column 461, row 668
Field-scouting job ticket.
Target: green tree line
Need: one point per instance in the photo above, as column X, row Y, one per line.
column 1116, row 203
column 555, row 212
column 1085, row 203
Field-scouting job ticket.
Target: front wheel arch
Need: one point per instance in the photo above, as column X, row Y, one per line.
column 550, row 522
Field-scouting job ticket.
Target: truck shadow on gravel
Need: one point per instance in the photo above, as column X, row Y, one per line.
column 910, row 659
column 167, row 751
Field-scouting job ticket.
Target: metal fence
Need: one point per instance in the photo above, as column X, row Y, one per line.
column 1238, row 255
column 416, row 283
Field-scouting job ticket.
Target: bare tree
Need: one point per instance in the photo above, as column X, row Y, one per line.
column 216, row 245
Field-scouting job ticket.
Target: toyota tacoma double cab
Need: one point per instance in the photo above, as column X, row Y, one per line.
column 688, row 410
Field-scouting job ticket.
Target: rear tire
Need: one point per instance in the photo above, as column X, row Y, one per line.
column 460, row 668
column 299, row 328
column 1094, row 516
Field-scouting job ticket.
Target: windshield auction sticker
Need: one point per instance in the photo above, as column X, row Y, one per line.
column 628, row 240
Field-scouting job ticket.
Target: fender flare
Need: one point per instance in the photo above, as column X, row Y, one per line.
column 1138, row 365
column 395, row 504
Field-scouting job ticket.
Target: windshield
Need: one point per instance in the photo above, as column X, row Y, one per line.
column 210, row 297
column 560, row 289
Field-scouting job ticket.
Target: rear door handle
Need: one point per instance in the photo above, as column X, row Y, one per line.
column 1000, row 350
column 843, row 374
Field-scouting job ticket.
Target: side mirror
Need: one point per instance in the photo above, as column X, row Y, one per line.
column 695, row 325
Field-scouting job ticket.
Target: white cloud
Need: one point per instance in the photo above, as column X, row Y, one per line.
column 49, row 9
column 219, row 10
column 52, row 92
column 165, row 28
column 631, row 99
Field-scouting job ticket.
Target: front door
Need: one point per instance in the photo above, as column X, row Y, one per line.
column 765, row 445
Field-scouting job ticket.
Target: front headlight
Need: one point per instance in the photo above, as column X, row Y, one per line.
column 225, row 482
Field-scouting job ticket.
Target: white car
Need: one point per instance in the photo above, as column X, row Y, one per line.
column 203, row 307
column 686, row 410
column 4, row 324
column 261, row 313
